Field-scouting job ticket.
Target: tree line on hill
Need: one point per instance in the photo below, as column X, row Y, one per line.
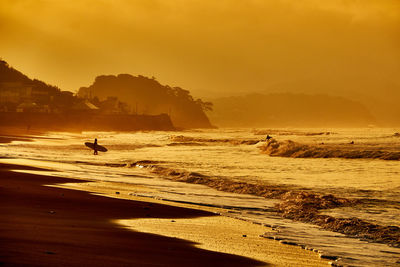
column 147, row 96
column 140, row 95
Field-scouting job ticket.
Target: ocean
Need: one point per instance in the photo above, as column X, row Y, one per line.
column 247, row 176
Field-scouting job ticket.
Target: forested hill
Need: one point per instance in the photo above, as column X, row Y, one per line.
column 289, row 110
column 11, row 75
column 147, row 96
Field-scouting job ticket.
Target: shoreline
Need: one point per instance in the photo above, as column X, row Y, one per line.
column 48, row 226
column 59, row 221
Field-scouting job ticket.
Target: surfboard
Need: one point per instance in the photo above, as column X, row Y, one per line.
column 98, row 147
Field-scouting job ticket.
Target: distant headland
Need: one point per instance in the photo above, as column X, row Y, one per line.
column 147, row 104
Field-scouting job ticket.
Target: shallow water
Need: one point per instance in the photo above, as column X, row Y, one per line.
column 156, row 159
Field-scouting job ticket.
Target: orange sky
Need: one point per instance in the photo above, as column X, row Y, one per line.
column 209, row 47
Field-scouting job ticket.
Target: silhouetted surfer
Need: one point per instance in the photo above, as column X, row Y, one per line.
column 95, row 146
column 268, row 137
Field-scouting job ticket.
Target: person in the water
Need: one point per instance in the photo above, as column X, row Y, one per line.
column 95, row 147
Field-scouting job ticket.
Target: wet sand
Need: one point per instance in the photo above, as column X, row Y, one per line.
column 215, row 233
column 9, row 134
column 49, row 226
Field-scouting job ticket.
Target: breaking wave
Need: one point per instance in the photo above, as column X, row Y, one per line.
column 287, row 132
column 130, row 146
column 189, row 139
column 295, row 203
column 186, row 144
column 293, row 149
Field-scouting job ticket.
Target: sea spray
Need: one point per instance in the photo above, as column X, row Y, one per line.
column 289, row 148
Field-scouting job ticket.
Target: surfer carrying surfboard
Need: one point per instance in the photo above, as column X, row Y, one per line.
column 95, row 147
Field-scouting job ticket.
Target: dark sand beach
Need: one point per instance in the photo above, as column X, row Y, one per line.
column 9, row 134
column 47, row 226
